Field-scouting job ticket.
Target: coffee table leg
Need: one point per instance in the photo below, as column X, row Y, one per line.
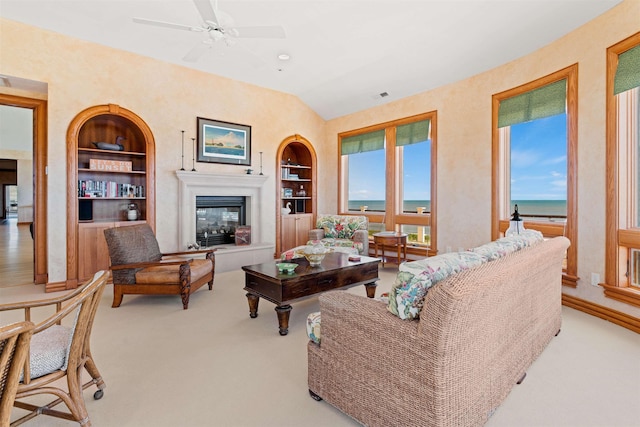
column 283, row 318
column 253, row 305
column 371, row 289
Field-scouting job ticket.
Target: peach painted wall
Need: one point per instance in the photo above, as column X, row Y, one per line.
column 167, row 97
column 464, row 141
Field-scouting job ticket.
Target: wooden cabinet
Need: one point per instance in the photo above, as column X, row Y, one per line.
column 297, row 189
column 110, row 166
column 295, row 229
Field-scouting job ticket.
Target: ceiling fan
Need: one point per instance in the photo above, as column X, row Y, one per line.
column 219, row 26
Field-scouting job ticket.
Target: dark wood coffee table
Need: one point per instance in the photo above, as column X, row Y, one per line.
column 265, row 281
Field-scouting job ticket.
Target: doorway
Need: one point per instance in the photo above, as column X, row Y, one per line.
column 32, row 220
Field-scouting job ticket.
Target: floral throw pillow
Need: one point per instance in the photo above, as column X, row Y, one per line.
column 414, row 279
column 341, row 226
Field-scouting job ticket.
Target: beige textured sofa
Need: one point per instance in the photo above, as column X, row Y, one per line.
column 477, row 334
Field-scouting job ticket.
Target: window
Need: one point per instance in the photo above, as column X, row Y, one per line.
column 535, row 159
column 387, row 172
column 622, row 260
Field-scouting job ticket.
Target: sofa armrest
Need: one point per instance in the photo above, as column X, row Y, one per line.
column 365, row 351
column 316, row 234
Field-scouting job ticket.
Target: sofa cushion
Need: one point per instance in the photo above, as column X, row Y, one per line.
column 506, row 245
column 333, row 243
column 341, row 226
column 415, row 278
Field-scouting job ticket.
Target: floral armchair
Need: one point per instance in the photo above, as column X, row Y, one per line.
column 349, row 231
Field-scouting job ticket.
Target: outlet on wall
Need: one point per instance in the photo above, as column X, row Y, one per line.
column 595, row 279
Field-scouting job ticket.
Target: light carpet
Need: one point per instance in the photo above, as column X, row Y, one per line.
column 212, row 365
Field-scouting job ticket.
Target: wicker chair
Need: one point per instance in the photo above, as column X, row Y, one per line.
column 60, row 350
column 139, row 267
column 14, row 347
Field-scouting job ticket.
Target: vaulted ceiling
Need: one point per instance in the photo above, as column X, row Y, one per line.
column 343, row 54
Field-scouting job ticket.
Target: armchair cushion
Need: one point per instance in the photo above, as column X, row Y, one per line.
column 341, row 226
column 170, row 274
column 49, row 350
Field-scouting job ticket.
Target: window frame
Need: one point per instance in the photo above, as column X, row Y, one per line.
column 500, row 170
column 618, row 237
column 393, row 217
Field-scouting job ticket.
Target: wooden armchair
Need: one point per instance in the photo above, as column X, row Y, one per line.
column 59, row 351
column 14, row 347
column 140, row 268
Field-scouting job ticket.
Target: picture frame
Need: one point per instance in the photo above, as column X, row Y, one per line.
column 223, row 142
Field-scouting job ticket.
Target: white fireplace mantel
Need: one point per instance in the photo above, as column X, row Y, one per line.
column 194, row 184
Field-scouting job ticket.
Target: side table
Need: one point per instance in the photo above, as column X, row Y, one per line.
column 391, row 239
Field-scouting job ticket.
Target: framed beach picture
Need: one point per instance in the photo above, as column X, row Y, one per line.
column 222, row 142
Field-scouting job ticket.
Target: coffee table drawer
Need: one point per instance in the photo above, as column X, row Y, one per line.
column 328, row 281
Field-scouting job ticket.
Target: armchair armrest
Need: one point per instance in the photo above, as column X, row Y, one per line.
column 316, row 234
column 362, row 236
column 201, row 251
column 151, row 264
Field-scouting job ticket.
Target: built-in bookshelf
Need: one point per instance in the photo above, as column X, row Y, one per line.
column 111, row 170
column 296, row 192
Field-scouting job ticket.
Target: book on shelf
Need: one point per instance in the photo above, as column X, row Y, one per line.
column 243, row 235
column 111, row 189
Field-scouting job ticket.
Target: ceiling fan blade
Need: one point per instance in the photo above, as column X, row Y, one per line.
column 196, row 52
column 265, row 32
column 207, row 12
column 166, row 24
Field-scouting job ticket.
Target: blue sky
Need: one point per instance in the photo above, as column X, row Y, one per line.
column 538, row 160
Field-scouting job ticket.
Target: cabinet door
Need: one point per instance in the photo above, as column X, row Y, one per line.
column 288, row 232
column 93, row 254
column 303, row 226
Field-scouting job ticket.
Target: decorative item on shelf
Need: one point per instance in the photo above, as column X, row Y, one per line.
column 288, row 192
column 194, row 155
column 287, row 209
column 132, row 212
column 285, row 173
column 315, row 254
column 112, row 147
column 182, row 168
column 243, row 235
column 302, row 192
column 292, row 176
column 249, row 171
column 516, row 224
column 261, row 163
column 110, row 165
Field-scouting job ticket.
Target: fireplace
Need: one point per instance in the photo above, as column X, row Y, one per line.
column 217, row 218
column 229, row 256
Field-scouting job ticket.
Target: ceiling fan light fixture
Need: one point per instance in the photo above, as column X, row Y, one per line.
column 284, row 57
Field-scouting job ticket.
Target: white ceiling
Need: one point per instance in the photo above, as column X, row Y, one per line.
column 343, row 53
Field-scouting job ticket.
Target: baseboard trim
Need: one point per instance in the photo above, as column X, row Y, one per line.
column 613, row 316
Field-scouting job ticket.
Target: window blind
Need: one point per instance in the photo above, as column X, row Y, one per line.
column 536, row 104
column 370, row 141
column 628, row 70
column 412, row 133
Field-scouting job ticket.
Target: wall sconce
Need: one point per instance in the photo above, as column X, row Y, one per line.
column 515, row 225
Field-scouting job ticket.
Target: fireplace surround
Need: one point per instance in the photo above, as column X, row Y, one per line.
column 250, row 187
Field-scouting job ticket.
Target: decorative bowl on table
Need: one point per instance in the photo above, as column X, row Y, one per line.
column 315, row 254
column 286, row 267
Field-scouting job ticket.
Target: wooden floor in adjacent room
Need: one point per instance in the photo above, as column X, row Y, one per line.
column 16, row 253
